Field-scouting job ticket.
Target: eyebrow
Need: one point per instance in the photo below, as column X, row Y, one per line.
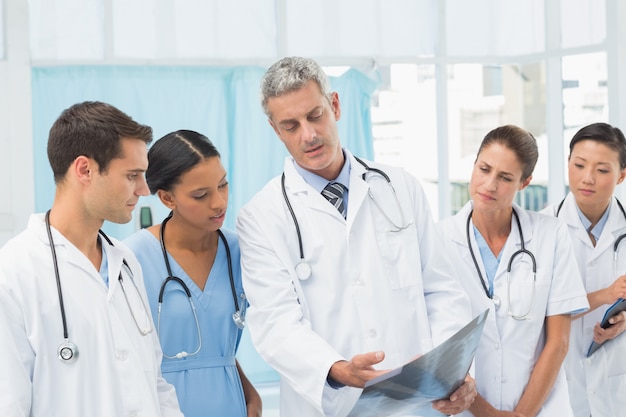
column 585, row 159
column 501, row 172
column 313, row 110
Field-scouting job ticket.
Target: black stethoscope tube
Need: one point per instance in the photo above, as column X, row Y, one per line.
column 619, row 204
column 171, row 277
column 508, row 269
column 56, row 275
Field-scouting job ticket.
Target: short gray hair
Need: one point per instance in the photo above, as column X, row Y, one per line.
column 291, row 74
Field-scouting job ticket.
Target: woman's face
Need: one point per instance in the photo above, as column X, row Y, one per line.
column 496, row 177
column 594, row 171
column 201, row 195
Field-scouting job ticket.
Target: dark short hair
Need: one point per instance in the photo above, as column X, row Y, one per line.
column 605, row 134
column 520, row 141
column 175, row 154
column 92, row 129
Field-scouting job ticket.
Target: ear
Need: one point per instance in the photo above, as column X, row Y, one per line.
column 167, row 199
column 83, row 168
column 525, row 183
column 334, row 103
column 622, row 174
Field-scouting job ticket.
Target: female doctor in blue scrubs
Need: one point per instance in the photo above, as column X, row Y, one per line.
column 518, row 264
column 196, row 297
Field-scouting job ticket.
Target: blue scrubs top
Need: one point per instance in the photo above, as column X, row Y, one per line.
column 207, row 384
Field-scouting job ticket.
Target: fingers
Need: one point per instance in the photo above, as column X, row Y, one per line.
column 617, row 327
column 618, row 318
column 618, row 288
column 357, row 371
column 366, row 360
column 460, row 400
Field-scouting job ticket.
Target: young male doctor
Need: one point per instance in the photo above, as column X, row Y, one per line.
column 75, row 334
column 344, row 288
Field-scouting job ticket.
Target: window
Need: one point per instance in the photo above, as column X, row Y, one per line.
column 585, row 94
column 2, row 25
column 404, row 123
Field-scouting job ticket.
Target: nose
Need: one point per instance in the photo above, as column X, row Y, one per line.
column 142, row 186
column 491, row 183
column 308, row 132
column 219, row 201
column 588, row 177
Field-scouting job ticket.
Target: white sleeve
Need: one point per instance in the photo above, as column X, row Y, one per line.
column 17, row 359
column 276, row 320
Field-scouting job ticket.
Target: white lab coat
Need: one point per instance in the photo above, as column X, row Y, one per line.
column 371, row 289
column 509, row 348
column 597, row 384
column 117, row 370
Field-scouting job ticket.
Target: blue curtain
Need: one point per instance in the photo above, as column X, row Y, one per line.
column 221, row 103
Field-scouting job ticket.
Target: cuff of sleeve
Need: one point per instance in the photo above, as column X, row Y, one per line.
column 332, row 383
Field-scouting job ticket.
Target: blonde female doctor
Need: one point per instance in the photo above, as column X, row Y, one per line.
column 596, row 220
column 518, row 265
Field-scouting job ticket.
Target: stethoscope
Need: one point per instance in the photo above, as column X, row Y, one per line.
column 303, row 268
column 238, row 316
column 68, row 351
column 520, row 252
column 617, row 241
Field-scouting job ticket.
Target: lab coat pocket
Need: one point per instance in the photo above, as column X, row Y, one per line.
column 616, row 388
column 400, row 255
column 525, row 289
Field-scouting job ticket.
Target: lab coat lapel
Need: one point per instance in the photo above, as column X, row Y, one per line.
column 614, row 227
column 297, row 188
column 459, row 237
column 357, row 189
column 115, row 259
column 66, row 252
column 569, row 213
column 527, row 227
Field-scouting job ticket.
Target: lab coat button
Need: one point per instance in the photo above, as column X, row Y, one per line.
column 373, row 333
column 122, row 355
column 358, row 282
column 133, row 414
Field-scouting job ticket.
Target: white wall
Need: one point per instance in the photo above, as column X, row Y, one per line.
column 16, row 162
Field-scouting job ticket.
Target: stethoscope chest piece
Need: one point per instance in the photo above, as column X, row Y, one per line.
column 67, row 352
column 303, row 271
column 239, row 319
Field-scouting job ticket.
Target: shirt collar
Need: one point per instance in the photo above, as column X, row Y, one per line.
column 597, row 229
column 318, row 183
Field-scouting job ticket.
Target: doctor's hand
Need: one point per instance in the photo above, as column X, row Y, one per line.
column 460, row 400
column 616, row 290
column 617, row 327
column 358, row 370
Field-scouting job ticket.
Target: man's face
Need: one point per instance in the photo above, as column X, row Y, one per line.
column 115, row 192
column 306, row 122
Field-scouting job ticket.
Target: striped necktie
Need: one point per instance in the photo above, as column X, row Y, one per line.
column 334, row 193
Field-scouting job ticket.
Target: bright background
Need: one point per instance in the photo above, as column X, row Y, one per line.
column 420, row 82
